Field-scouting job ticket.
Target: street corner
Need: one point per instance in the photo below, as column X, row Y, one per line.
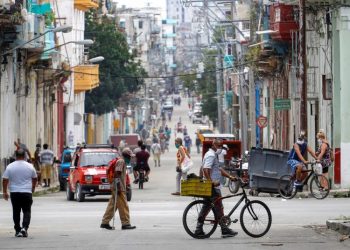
column 341, row 225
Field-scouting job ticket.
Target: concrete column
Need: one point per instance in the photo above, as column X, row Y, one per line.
column 341, row 90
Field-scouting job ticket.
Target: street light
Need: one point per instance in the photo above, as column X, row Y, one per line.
column 63, row 28
column 96, row 59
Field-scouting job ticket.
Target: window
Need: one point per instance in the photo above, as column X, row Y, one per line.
column 246, row 26
column 140, row 24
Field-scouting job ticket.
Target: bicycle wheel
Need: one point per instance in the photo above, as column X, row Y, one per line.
column 233, row 186
column 190, row 219
column 316, row 188
column 286, row 186
column 255, row 218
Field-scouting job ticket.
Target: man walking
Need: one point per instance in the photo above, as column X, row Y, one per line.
column 156, row 151
column 20, row 177
column 213, row 172
column 118, row 200
column 46, row 160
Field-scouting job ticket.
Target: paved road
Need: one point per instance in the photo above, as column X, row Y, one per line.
column 59, row 224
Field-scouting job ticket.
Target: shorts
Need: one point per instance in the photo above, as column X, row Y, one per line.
column 294, row 163
column 139, row 167
column 46, row 171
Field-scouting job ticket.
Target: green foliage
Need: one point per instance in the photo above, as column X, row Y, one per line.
column 189, row 81
column 207, row 86
column 119, row 73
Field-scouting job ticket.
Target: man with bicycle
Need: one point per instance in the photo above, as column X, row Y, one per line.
column 213, row 172
column 296, row 159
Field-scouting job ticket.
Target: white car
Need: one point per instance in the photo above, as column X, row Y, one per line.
column 197, row 117
column 168, row 105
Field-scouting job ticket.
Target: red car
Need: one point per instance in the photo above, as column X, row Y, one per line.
column 88, row 172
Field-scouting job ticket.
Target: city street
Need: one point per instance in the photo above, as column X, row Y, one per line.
column 61, row 224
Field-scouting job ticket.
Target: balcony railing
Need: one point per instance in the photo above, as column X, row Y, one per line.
column 85, row 5
column 86, row 77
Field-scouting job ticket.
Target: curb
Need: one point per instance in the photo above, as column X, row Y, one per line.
column 42, row 191
column 339, row 225
column 336, row 193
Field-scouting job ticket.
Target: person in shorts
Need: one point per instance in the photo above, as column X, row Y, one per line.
column 297, row 158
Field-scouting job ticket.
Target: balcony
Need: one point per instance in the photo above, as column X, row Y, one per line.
column 86, row 77
column 85, row 5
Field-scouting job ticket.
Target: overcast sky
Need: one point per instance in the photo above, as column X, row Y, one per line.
column 142, row 3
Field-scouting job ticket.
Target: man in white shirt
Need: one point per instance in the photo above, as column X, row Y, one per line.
column 156, row 151
column 221, row 157
column 20, row 177
column 46, row 160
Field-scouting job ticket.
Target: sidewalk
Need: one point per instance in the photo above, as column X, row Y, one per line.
column 42, row 191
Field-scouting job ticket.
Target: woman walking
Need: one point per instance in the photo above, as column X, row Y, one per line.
column 180, row 156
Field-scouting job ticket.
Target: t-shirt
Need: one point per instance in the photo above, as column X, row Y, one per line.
column 20, row 175
column 210, row 161
column 221, row 156
column 142, row 158
column 156, row 149
column 46, row 156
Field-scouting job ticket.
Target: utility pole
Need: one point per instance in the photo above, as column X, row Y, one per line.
column 218, row 89
column 303, row 102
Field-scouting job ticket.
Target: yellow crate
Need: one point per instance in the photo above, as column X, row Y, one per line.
column 196, row 187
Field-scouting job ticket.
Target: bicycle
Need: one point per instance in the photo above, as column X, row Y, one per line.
column 287, row 188
column 235, row 168
column 254, row 215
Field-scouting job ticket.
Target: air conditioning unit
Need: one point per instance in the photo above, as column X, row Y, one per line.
column 5, row 4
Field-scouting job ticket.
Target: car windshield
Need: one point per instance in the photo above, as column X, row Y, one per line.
column 97, row 158
column 206, row 132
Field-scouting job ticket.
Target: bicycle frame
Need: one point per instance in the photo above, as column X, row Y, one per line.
column 243, row 198
column 311, row 173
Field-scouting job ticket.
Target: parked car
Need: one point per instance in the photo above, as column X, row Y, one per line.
column 88, row 172
column 203, row 130
column 64, row 166
column 197, row 117
column 168, row 105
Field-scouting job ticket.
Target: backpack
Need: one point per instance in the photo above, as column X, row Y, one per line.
column 110, row 170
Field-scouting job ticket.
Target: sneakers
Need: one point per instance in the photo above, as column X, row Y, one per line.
column 106, row 226
column 227, row 232
column 128, row 227
column 199, row 232
column 24, row 232
column 18, row 234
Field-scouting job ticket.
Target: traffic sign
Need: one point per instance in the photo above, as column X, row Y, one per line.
column 261, row 121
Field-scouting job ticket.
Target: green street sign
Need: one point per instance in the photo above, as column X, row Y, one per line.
column 281, row 104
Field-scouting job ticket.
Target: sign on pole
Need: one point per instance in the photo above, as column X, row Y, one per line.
column 281, row 104
column 261, row 121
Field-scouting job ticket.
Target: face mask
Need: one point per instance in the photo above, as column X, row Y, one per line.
column 177, row 145
column 127, row 161
column 300, row 142
column 218, row 151
column 319, row 141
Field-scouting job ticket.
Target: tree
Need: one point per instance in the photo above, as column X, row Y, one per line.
column 119, row 73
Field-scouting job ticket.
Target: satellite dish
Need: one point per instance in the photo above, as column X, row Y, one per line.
column 24, row 14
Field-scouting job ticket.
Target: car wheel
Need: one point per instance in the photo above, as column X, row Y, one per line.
column 128, row 193
column 69, row 193
column 80, row 197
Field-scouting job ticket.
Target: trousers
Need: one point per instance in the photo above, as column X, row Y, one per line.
column 121, row 205
column 21, row 202
column 179, row 176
